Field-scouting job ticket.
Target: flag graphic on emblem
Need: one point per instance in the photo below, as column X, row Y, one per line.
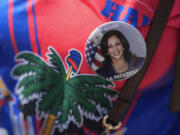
column 93, row 55
column 74, row 60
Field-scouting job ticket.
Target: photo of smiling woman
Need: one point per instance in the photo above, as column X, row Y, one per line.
column 119, row 61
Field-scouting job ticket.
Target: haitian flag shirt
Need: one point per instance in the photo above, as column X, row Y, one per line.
column 46, row 85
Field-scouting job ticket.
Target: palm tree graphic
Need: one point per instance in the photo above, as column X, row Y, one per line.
column 62, row 97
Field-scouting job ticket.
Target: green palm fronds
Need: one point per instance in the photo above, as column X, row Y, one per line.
column 80, row 96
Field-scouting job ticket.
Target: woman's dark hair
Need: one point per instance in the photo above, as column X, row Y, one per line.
column 104, row 44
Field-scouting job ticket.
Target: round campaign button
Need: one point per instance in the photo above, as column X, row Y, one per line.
column 115, row 50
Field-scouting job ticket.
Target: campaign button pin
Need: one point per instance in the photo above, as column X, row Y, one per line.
column 115, row 50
